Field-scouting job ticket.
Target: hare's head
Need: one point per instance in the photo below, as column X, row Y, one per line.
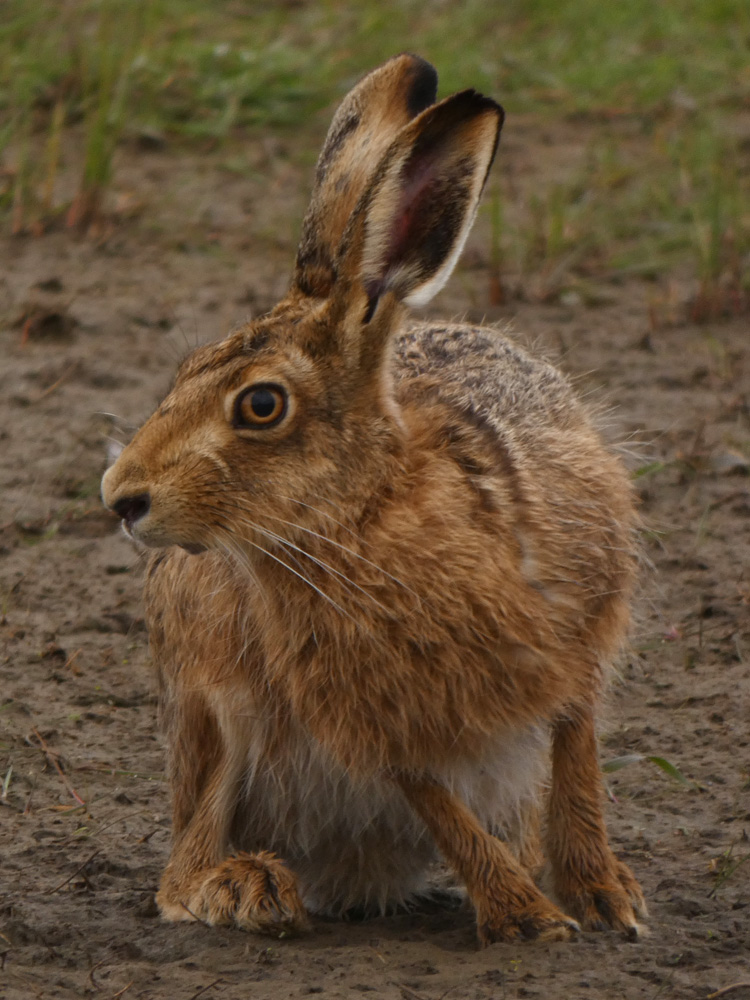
column 296, row 408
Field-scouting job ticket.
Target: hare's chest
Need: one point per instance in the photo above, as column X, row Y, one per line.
column 388, row 703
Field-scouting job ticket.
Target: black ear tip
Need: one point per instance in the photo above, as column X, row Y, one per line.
column 500, row 112
column 423, row 85
column 475, row 103
column 464, row 107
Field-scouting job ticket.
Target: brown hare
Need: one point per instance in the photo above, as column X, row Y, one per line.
column 393, row 563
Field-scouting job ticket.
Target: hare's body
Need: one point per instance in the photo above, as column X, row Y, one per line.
column 353, row 842
column 411, row 560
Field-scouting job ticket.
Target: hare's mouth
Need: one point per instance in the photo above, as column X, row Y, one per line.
column 147, row 535
column 128, row 532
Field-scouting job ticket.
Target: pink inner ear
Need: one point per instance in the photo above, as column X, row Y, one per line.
column 420, row 178
column 434, row 201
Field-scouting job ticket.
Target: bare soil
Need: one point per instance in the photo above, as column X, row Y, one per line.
column 93, row 327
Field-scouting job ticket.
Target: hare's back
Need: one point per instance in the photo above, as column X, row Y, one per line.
column 567, row 495
column 482, row 373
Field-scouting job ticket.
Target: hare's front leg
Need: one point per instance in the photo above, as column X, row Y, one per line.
column 508, row 904
column 256, row 892
column 591, row 882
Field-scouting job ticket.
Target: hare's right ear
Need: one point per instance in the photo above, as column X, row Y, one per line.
column 365, row 124
column 406, row 234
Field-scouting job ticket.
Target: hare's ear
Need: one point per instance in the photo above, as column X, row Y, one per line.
column 365, row 124
column 408, row 232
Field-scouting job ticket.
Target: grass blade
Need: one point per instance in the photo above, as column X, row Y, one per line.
column 617, row 763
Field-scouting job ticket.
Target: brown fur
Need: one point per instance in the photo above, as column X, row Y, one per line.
column 371, row 614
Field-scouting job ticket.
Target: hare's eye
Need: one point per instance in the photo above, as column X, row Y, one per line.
column 260, row 406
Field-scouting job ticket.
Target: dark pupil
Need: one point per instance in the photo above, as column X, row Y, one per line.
column 263, row 403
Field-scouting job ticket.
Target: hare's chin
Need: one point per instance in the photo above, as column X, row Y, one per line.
column 193, row 548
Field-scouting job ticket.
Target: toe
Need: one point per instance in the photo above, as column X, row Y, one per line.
column 604, row 908
column 271, row 903
column 256, row 892
column 630, row 884
column 614, row 901
column 539, row 921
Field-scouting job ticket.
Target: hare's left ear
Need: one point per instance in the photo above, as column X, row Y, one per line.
column 408, row 231
column 364, row 126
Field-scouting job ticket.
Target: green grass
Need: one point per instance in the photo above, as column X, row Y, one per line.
column 654, row 93
column 726, row 867
column 617, row 763
column 201, row 69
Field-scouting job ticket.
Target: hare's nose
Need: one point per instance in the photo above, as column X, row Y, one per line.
column 132, row 509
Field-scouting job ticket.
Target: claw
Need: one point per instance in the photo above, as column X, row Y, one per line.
column 613, row 902
column 538, row 921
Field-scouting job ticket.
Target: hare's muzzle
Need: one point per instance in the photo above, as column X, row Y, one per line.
column 129, row 500
column 153, row 510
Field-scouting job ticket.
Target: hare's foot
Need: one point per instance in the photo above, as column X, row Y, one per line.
column 508, row 905
column 256, row 892
column 610, row 897
column 530, row 919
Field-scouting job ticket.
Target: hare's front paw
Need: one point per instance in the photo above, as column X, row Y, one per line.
column 610, row 898
column 256, row 892
column 533, row 919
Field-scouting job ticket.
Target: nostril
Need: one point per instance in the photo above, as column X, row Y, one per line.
column 131, row 509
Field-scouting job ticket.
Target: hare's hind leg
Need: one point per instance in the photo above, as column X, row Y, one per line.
column 508, row 904
column 597, row 888
column 256, row 892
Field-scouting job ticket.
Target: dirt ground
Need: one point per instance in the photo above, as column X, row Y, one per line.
column 90, row 331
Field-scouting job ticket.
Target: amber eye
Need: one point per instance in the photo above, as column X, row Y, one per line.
column 260, row 406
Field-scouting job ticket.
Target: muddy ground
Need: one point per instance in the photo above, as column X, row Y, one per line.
column 90, row 331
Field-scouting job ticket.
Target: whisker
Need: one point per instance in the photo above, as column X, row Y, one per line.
column 237, row 550
column 321, row 512
column 286, row 565
column 231, row 550
column 343, row 548
column 306, row 580
column 319, row 562
column 214, row 489
column 233, row 504
column 336, row 506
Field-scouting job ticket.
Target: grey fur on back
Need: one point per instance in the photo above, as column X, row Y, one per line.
column 482, row 371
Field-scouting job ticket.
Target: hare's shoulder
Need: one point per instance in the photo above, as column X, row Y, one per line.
column 481, row 370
